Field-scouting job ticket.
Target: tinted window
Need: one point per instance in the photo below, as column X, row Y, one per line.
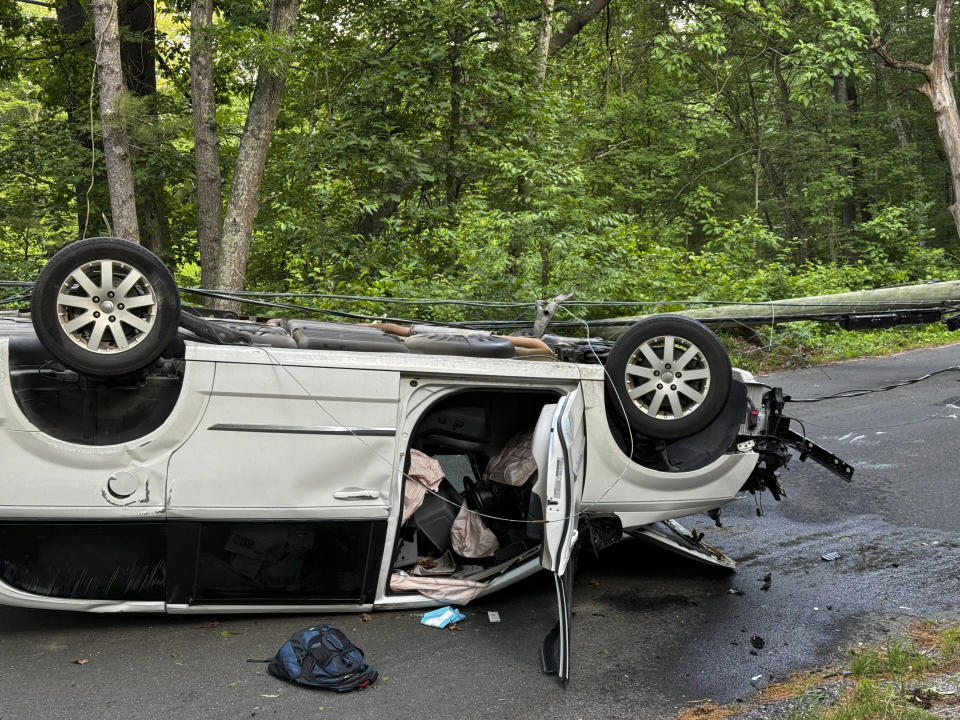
column 107, row 561
column 283, row 562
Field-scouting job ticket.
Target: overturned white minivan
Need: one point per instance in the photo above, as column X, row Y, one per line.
column 154, row 460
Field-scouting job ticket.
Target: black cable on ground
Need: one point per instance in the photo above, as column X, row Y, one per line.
column 884, row 388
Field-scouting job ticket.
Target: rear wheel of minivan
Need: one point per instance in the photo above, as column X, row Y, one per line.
column 105, row 306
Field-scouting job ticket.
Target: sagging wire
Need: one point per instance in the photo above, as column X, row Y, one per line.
column 773, row 322
column 868, row 391
column 850, row 430
column 13, row 299
column 803, row 427
column 859, row 393
column 308, row 309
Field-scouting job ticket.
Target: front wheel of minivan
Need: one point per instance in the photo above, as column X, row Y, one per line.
column 669, row 375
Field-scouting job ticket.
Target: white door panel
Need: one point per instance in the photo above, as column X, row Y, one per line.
column 292, row 442
column 42, row 477
column 559, row 447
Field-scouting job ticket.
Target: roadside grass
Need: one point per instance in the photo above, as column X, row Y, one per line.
column 892, row 681
column 804, row 344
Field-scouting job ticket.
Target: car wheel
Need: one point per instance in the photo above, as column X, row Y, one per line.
column 105, row 306
column 671, row 374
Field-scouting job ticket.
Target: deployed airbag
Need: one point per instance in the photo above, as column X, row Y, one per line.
column 424, row 473
column 470, row 537
column 515, row 464
column 450, row 590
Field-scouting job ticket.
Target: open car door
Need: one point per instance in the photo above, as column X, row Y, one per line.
column 559, row 445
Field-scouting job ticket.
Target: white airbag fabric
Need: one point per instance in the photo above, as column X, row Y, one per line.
column 515, row 464
column 470, row 537
column 458, row 592
column 425, row 472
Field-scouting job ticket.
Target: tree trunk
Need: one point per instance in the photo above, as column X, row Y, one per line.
column 206, row 142
column 371, row 223
column 575, row 24
column 454, row 179
column 72, row 17
column 940, row 91
column 138, row 46
column 784, row 89
column 845, row 161
column 116, row 150
column 793, row 223
column 896, row 122
column 544, row 36
column 152, row 202
column 243, row 205
column 139, row 61
column 543, row 39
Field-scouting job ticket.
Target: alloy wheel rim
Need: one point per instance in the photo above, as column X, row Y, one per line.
column 106, row 306
column 667, row 377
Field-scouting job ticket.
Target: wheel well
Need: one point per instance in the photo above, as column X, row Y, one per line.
column 90, row 410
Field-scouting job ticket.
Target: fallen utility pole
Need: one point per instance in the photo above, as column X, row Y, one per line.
column 885, row 307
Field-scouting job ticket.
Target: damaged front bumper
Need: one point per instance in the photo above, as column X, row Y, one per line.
column 772, row 440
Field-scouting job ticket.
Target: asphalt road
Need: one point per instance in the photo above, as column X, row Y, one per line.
column 652, row 632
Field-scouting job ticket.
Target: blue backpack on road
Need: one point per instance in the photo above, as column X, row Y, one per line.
column 322, row 657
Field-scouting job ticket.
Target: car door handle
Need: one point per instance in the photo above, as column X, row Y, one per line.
column 355, row 493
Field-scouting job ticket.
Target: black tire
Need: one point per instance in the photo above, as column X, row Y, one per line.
column 105, row 335
column 668, row 397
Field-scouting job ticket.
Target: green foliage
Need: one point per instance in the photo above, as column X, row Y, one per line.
column 896, row 659
column 873, row 700
column 950, row 645
column 736, row 151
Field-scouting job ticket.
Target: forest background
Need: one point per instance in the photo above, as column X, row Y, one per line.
column 725, row 150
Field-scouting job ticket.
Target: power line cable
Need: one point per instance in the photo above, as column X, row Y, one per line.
column 868, row 391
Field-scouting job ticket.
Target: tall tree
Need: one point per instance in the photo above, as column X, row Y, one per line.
column 939, row 89
column 138, row 56
column 230, row 253
column 116, row 148
column 206, row 141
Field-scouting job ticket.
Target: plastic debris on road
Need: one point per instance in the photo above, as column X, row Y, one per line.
column 830, row 556
column 441, row 617
column 493, row 616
